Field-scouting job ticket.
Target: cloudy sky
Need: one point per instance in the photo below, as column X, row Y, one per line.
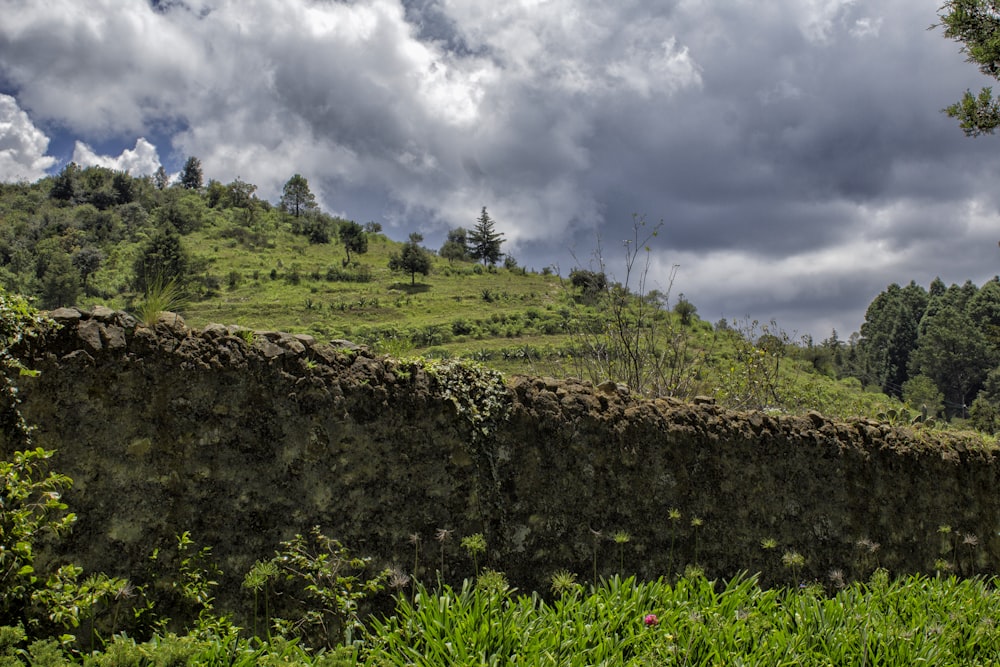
column 794, row 149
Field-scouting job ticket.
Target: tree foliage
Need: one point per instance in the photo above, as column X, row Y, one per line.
column 296, row 197
column 191, row 176
column 162, row 260
column 976, row 25
column 413, row 259
column 484, row 241
column 353, row 236
column 456, row 246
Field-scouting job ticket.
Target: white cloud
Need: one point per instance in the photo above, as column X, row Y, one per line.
column 782, row 129
column 142, row 160
column 22, row 145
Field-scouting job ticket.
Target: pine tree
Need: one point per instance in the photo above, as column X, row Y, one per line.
column 296, row 198
column 191, row 177
column 484, row 240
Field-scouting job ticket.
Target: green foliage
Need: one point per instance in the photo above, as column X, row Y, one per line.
column 191, row 176
column 698, row 622
column 754, row 379
column 161, row 296
column 163, row 260
column 484, row 241
column 325, row 580
column 19, row 324
column 921, row 394
column 32, row 508
column 456, row 247
column 413, row 259
column 975, row 24
column 622, row 331
column 354, row 238
column 296, row 197
column 474, row 545
column 479, row 395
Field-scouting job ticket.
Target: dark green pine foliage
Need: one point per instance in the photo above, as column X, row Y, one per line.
column 952, row 349
column 163, row 260
column 484, row 241
column 889, row 335
column 976, row 25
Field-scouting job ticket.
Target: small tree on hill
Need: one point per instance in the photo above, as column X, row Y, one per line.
column 484, row 241
column 353, row 236
column 296, row 198
column 456, row 247
column 413, row 259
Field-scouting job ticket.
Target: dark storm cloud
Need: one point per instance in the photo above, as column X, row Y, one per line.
column 795, row 150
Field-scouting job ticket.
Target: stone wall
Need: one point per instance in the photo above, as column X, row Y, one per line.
column 244, row 440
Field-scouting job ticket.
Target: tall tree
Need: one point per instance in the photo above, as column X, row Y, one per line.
column 162, row 260
column 60, row 282
column 889, row 335
column 413, row 259
column 160, row 178
column 975, row 24
column 87, row 261
column 296, row 198
column 484, row 240
column 191, row 177
column 951, row 350
column 984, row 310
column 353, row 236
column 65, row 184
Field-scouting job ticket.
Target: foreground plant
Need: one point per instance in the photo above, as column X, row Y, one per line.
column 161, row 296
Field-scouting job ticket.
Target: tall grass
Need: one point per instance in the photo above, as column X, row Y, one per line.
column 161, row 296
column 695, row 621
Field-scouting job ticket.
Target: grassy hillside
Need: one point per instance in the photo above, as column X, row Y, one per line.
column 89, row 236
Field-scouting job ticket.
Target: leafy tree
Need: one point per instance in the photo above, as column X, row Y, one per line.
column 182, row 210
column 296, row 198
column 64, row 185
column 87, row 261
column 161, row 179
column 484, row 241
column 590, row 283
column 976, row 25
column 162, row 260
column 60, row 282
column 413, row 260
column 372, row 227
column 685, row 310
column 920, row 393
column 456, row 247
column 191, row 176
column 123, row 186
column 353, row 236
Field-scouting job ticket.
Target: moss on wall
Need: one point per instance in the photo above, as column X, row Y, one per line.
column 245, row 440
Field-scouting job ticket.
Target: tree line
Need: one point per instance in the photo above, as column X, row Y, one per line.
column 937, row 349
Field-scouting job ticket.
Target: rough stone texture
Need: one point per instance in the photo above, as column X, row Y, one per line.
column 167, row 429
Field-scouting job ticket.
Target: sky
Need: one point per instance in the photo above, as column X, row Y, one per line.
column 794, row 150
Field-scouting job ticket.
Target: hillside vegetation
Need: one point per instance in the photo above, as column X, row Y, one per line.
column 93, row 235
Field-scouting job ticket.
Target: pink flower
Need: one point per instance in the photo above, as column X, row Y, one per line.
column 650, row 619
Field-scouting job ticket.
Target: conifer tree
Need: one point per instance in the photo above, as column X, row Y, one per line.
column 484, row 240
